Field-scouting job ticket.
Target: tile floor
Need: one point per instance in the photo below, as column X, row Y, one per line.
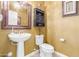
column 38, row 55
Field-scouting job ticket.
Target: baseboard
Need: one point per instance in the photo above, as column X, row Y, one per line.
column 60, row 54
column 36, row 51
column 33, row 53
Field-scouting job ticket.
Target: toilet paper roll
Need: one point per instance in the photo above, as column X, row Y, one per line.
column 62, row 40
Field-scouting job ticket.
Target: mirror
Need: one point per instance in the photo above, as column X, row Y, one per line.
column 16, row 14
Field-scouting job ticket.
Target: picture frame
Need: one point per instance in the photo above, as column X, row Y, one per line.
column 69, row 8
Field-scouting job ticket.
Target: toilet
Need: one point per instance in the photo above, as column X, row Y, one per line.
column 46, row 50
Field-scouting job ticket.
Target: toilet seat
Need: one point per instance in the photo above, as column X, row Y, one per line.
column 46, row 46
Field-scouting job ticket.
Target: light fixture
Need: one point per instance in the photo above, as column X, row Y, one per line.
column 16, row 5
column 19, row 4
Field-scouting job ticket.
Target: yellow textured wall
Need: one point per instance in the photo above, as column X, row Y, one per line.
column 5, row 44
column 62, row 27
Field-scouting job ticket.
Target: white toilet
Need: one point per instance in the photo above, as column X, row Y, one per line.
column 46, row 50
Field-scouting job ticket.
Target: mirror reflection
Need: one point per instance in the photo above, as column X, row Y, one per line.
column 16, row 14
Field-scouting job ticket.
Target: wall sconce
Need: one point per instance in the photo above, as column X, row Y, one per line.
column 19, row 4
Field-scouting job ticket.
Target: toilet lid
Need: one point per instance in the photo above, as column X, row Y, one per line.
column 47, row 46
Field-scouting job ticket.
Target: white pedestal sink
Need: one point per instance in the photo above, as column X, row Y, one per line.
column 19, row 38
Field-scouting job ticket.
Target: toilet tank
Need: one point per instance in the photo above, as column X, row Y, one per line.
column 39, row 39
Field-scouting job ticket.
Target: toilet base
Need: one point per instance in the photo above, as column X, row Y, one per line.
column 42, row 54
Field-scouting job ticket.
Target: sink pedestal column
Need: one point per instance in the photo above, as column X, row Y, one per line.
column 20, row 49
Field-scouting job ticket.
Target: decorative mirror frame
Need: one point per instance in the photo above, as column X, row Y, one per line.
column 4, row 24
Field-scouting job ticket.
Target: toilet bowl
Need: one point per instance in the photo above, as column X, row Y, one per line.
column 46, row 50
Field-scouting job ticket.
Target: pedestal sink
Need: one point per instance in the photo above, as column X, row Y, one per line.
column 19, row 38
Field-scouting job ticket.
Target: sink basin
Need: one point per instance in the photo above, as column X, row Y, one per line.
column 19, row 37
